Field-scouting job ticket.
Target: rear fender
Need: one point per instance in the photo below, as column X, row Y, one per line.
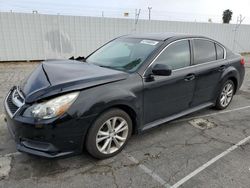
column 229, row 73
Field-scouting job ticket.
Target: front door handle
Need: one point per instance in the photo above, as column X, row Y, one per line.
column 189, row 77
column 222, row 68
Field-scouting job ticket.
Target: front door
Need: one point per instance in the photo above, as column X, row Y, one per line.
column 168, row 95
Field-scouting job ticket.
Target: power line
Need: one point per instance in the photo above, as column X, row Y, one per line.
column 83, row 10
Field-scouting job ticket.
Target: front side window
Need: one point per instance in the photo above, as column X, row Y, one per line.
column 204, row 51
column 125, row 54
column 175, row 56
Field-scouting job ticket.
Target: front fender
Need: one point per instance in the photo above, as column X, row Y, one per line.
column 93, row 101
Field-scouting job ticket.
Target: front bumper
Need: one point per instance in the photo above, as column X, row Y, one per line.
column 56, row 139
column 24, row 149
column 47, row 138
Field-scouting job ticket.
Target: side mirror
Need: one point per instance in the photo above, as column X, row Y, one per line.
column 161, row 70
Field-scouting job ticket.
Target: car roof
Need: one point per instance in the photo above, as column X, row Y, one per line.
column 160, row 36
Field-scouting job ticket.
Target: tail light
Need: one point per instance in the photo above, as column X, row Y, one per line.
column 242, row 61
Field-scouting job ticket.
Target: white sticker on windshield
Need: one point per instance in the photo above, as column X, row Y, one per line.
column 150, row 42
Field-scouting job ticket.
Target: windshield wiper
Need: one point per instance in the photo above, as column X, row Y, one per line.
column 79, row 58
column 105, row 66
column 114, row 68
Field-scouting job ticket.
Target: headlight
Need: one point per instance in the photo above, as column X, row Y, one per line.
column 51, row 108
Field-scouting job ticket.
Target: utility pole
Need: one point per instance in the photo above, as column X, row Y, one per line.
column 238, row 23
column 59, row 33
column 137, row 14
column 149, row 13
column 103, row 14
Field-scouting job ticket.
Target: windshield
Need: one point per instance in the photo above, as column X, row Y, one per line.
column 123, row 54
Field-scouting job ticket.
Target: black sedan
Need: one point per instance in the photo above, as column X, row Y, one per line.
column 131, row 84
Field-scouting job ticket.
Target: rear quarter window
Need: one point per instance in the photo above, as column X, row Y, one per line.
column 220, row 51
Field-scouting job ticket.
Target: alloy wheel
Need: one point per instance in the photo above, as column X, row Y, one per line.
column 112, row 135
column 226, row 94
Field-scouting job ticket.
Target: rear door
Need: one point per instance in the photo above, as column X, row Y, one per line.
column 209, row 65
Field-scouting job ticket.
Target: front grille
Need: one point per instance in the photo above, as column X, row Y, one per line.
column 14, row 101
column 12, row 107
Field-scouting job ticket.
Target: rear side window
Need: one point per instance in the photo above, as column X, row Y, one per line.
column 176, row 56
column 220, row 51
column 204, row 51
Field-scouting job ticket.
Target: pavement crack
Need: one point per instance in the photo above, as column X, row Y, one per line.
column 216, row 139
column 172, row 176
column 114, row 178
column 243, row 146
column 197, row 143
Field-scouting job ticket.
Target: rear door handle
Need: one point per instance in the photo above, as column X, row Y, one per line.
column 189, row 77
column 222, row 68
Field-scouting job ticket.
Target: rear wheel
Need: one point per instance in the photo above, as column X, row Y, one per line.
column 109, row 134
column 225, row 95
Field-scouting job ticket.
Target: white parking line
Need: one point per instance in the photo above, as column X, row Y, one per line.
column 192, row 174
column 210, row 162
column 213, row 114
column 155, row 176
column 179, row 183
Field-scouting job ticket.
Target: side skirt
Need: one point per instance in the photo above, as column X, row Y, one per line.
column 175, row 116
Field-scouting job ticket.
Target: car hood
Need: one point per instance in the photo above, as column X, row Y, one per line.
column 60, row 76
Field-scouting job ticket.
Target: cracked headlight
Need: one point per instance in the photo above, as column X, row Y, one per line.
column 51, row 108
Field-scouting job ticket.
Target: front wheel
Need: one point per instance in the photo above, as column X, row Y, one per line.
column 225, row 95
column 109, row 134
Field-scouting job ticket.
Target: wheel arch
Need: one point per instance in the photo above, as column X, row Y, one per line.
column 231, row 73
column 235, row 81
column 126, row 108
column 129, row 110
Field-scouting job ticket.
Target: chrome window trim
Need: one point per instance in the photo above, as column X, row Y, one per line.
column 195, row 65
column 190, row 38
column 224, row 49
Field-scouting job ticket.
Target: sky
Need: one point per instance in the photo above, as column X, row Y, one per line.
column 177, row 10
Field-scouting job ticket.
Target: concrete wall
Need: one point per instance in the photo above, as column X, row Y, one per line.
column 36, row 36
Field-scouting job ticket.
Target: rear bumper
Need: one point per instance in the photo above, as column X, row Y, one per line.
column 62, row 137
column 242, row 76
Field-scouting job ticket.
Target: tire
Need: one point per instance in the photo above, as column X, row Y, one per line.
column 220, row 103
column 104, row 139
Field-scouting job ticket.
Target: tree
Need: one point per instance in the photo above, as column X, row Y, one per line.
column 227, row 16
